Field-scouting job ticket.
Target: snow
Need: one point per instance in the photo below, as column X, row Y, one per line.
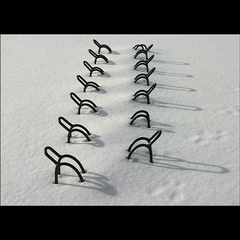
column 195, row 104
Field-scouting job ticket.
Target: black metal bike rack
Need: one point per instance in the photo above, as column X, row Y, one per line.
column 73, row 128
column 87, row 84
column 143, row 62
column 141, row 113
column 150, row 141
column 92, row 69
column 146, row 76
column 96, row 56
column 143, row 46
column 145, row 93
column 144, row 51
column 81, row 103
column 102, row 46
column 58, row 163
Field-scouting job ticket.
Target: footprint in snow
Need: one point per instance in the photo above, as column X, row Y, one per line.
column 205, row 137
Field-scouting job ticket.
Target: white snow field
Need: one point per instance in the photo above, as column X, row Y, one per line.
column 195, row 104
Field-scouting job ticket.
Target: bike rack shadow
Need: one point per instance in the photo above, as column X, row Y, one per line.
column 95, row 141
column 157, row 103
column 100, row 112
column 170, row 62
column 173, row 74
column 164, row 161
column 95, row 181
column 176, row 88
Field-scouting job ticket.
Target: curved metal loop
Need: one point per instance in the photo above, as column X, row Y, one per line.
column 64, row 122
column 53, row 151
column 75, row 98
column 80, row 126
column 143, row 62
column 57, row 170
column 136, row 140
column 92, row 69
column 143, row 46
column 145, row 76
column 150, row 141
column 142, row 145
column 141, row 51
column 102, row 46
column 151, row 88
column 86, row 104
column 81, row 80
column 142, row 94
column 155, row 136
column 96, row 56
column 137, row 115
column 77, row 130
column 87, row 84
column 73, row 158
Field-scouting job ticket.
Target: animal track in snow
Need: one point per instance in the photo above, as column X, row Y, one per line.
column 231, row 111
column 204, row 137
column 174, row 191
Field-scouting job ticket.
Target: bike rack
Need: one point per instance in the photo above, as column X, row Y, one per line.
column 84, row 102
column 143, row 62
column 150, row 141
column 141, row 113
column 102, row 46
column 145, row 93
column 143, row 46
column 92, row 69
column 143, row 51
column 143, row 75
column 97, row 56
column 58, row 163
column 87, row 84
column 73, row 128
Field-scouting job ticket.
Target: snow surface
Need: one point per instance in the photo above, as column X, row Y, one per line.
column 195, row 104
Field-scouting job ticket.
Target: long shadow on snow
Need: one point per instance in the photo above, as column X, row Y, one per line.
column 173, row 74
column 170, row 62
column 165, row 163
column 157, row 103
column 86, row 111
column 175, row 106
column 98, row 180
column 175, row 88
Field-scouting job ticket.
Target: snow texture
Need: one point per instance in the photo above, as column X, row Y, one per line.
column 195, row 104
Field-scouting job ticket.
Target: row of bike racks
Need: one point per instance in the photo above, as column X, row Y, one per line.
column 56, row 158
column 52, row 154
column 143, row 113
